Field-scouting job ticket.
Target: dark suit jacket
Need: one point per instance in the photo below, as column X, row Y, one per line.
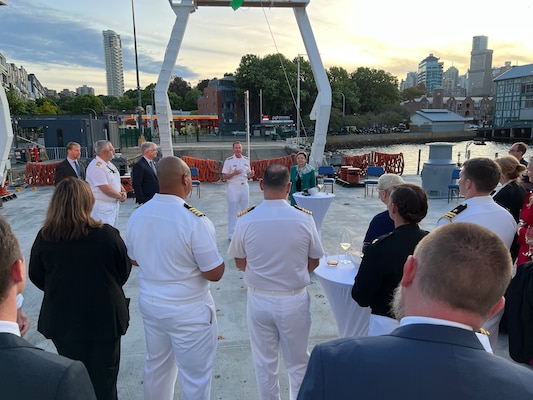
column 64, row 170
column 418, row 361
column 511, row 197
column 144, row 181
column 29, row 373
column 82, row 283
column 382, row 268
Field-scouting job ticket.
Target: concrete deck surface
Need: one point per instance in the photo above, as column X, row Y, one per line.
column 234, row 374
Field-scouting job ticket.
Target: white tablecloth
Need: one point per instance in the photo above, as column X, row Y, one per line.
column 352, row 320
column 318, row 204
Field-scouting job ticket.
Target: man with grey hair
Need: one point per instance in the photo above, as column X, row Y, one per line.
column 143, row 175
column 104, row 178
column 28, row 372
column 454, row 281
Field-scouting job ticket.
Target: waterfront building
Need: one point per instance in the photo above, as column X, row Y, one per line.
column 480, row 72
column 113, row 64
column 513, row 104
column 220, row 98
column 430, row 72
column 35, row 89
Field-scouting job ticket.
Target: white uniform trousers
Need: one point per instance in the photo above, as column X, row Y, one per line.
column 276, row 321
column 181, row 340
column 106, row 211
column 238, row 199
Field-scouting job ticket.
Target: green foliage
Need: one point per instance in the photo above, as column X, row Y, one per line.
column 414, row 93
column 376, row 88
column 191, row 100
column 86, row 103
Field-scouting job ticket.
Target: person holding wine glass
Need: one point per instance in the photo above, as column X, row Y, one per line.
column 526, row 221
column 303, row 176
column 381, row 267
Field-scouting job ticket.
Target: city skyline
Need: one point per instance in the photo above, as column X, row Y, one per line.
column 61, row 43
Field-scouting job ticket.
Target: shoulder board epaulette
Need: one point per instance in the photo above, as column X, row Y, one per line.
column 245, row 211
column 484, row 332
column 450, row 215
column 382, row 237
column 303, row 209
column 229, row 158
column 195, row 211
column 98, row 163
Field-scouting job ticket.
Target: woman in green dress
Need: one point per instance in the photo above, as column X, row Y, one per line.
column 302, row 175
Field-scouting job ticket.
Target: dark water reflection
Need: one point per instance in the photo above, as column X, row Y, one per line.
column 411, row 152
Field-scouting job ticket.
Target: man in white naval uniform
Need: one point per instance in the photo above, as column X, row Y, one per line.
column 175, row 247
column 237, row 171
column 277, row 246
column 104, row 179
column 478, row 178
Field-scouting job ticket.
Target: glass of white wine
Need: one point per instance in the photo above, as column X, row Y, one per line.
column 345, row 243
column 529, row 241
column 320, row 184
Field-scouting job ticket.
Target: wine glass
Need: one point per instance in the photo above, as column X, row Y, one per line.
column 345, row 242
column 529, row 241
column 320, row 184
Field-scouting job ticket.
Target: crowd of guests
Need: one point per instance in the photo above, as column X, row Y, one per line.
column 432, row 295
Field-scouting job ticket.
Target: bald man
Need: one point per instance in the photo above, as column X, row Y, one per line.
column 175, row 302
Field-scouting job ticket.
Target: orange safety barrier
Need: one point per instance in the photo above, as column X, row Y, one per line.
column 362, row 161
column 39, row 174
column 126, row 182
column 208, row 170
column 392, row 163
column 211, row 170
column 259, row 166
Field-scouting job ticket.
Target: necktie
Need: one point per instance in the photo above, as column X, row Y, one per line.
column 78, row 170
column 152, row 165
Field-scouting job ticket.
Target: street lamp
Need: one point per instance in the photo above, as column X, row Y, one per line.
column 343, row 104
column 90, row 109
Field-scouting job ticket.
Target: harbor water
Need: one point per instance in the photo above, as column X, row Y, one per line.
column 415, row 155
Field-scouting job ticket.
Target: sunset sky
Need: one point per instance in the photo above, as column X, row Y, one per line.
column 61, row 41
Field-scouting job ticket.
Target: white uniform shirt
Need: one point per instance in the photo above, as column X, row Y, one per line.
column 482, row 210
column 172, row 246
column 231, row 164
column 100, row 173
column 276, row 240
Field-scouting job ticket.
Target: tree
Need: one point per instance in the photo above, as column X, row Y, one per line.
column 203, row 84
column 46, row 106
column 16, row 106
column 191, row 100
column 82, row 104
column 179, row 86
column 342, row 84
column 414, row 92
column 376, row 88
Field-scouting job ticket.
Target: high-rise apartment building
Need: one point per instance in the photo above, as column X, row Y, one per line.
column 480, row 72
column 409, row 82
column 113, row 64
column 430, row 72
column 84, row 90
column 450, row 80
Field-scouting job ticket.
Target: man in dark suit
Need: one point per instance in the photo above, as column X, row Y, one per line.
column 144, row 178
column 454, row 281
column 26, row 372
column 71, row 165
